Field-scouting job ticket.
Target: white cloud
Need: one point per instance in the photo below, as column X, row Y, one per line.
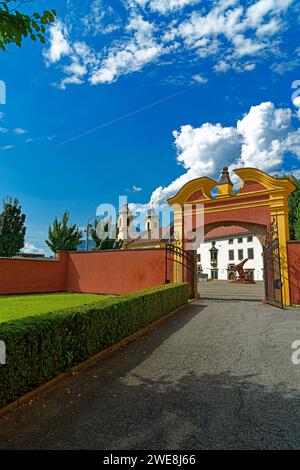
column 101, row 19
column 29, row 248
column 232, row 28
column 249, row 67
column 3, row 129
column 263, row 131
column 2, row 115
column 260, row 9
column 134, row 189
column 59, row 44
column 82, row 59
column 296, row 103
column 129, row 56
column 269, row 28
column 75, row 73
column 234, row 34
column 292, row 143
column 261, row 139
column 165, row 6
column 296, row 173
column 200, row 79
column 201, row 151
column 124, row 56
column 8, row 147
column 222, row 66
column 19, row 131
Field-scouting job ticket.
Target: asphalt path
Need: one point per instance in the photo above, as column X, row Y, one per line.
column 217, row 375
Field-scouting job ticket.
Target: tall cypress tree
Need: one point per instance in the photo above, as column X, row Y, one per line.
column 62, row 237
column 12, row 228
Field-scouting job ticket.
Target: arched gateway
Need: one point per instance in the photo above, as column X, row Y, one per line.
column 260, row 205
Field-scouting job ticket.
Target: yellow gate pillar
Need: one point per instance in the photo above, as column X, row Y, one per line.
column 279, row 211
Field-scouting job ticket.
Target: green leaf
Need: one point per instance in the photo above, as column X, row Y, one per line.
column 35, row 25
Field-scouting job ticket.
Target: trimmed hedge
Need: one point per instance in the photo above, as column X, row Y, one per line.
column 40, row 347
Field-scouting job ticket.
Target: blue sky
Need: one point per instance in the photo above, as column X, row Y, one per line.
column 175, row 89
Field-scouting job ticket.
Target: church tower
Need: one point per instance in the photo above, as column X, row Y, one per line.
column 152, row 225
column 124, row 221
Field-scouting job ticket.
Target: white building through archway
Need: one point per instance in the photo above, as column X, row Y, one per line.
column 225, row 247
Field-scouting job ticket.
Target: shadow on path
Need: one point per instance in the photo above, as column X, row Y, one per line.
column 149, row 396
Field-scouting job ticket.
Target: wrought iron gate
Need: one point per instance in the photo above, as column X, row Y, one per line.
column 272, row 270
column 177, row 256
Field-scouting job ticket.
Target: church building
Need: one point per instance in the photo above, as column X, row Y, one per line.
column 153, row 235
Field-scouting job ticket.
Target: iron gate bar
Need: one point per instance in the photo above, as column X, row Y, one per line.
column 178, row 255
column 188, row 260
column 272, row 267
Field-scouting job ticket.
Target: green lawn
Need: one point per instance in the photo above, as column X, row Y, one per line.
column 13, row 307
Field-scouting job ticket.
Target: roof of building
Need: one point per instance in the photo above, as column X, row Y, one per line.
column 165, row 234
column 226, row 232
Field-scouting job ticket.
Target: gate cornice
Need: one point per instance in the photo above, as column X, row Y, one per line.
column 268, row 181
column 201, row 188
column 202, row 185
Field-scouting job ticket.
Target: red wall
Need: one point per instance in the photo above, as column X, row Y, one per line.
column 115, row 272
column 294, row 271
column 104, row 272
column 22, row 276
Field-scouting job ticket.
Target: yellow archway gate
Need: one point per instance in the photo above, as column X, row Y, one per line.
column 260, row 200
